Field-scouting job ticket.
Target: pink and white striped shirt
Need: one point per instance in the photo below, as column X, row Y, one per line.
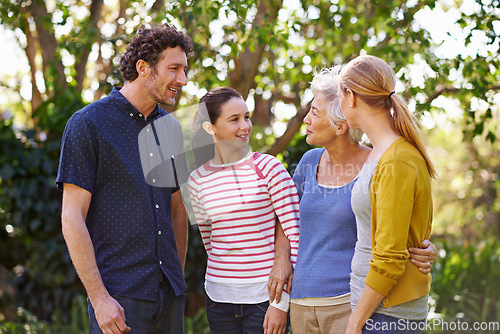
column 235, row 207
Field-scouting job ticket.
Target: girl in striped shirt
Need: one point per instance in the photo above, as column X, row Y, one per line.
column 236, row 197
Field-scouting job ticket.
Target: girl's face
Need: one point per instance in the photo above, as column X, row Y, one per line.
column 318, row 127
column 233, row 126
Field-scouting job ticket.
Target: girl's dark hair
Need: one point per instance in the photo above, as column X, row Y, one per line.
column 148, row 45
column 212, row 102
column 209, row 110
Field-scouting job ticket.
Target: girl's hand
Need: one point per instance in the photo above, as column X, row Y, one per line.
column 275, row 321
column 423, row 257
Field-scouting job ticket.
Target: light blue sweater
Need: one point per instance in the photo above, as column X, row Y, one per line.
column 327, row 233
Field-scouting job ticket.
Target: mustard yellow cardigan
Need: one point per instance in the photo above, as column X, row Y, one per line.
column 401, row 217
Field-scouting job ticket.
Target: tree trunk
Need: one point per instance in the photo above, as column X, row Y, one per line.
column 102, row 67
column 48, row 44
column 30, row 50
column 247, row 64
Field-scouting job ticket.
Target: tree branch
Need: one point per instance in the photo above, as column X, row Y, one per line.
column 157, row 6
column 92, row 37
column 449, row 90
column 292, row 128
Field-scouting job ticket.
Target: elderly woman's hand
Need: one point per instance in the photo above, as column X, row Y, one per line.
column 423, row 257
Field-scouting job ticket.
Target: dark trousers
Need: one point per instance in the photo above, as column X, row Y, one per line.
column 381, row 323
column 165, row 315
column 227, row 318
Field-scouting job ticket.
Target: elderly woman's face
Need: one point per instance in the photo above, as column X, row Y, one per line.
column 318, row 128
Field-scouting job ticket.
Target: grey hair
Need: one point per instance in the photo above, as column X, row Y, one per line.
column 326, row 82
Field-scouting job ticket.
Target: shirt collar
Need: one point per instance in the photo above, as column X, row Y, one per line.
column 125, row 106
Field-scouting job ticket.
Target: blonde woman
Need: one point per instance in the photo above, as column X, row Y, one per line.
column 391, row 201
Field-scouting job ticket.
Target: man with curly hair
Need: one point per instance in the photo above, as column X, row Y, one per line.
column 127, row 233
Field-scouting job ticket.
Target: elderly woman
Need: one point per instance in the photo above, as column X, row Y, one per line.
column 324, row 178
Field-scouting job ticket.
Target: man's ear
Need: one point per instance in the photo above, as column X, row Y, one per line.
column 208, row 127
column 142, row 67
column 341, row 127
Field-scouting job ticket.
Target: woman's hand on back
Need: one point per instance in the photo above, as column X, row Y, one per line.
column 423, row 257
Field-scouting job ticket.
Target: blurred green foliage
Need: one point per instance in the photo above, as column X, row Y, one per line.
column 466, row 280
column 466, row 193
column 268, row 52
column 27, row 323
column 198, row 324
column 31, row 243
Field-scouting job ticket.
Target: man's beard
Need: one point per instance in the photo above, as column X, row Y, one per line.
column 156, row 94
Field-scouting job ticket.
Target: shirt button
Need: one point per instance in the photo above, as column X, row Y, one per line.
column 147, row 130
column 160, row 262
column 157, row 206
column 150, row 154
column 140, row 115
column 154, row 180
column 385, row 302
column 159, row 232
column 131, row 114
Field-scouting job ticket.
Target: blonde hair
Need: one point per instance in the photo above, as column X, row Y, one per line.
column 326, row 83
column 373, row 81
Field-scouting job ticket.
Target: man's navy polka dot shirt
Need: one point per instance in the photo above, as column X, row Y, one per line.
column 129, row 218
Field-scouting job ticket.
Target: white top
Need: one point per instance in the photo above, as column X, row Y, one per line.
column 247, row 294
column 323, row 301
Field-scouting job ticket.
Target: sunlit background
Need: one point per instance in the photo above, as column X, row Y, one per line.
column 447, row 63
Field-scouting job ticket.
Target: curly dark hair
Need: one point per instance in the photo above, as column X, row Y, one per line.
column 148, row 44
